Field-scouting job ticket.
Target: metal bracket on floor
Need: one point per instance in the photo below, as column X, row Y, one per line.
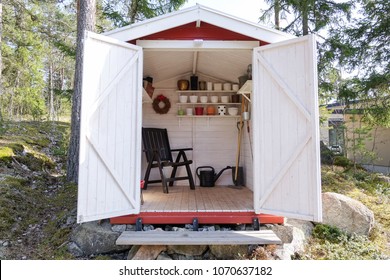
column 138, row 224
column 256, row 223
column 195, row 224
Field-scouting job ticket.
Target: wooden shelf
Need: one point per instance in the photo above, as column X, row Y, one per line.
column 206, row 91
column 207, row 116
column 209, row 103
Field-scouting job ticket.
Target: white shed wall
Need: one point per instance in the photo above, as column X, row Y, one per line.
column 214, row 140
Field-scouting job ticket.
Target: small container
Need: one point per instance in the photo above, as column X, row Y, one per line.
column 222, row 110
column 209, row 86
column 232, row 111
column 180, row 112
column 203, row 99
column 199, row 111
column 194, row 82
column 210, row 110
column 193, row 98
column 183, row 98
column 245, row 116
column 217, row 86
column 235, row 87
column 183, row 84
column 235, row 98
column 214, row 99
column 227, row 86
column 189, row 111
column 202, row 85
column 225, row 99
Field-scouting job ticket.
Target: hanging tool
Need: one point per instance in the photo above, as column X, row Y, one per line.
column 247, row 108
column 240, row 126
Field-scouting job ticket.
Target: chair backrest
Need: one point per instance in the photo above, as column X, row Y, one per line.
column 156, row 139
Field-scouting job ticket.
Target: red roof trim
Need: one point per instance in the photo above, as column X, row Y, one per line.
column 205, row 31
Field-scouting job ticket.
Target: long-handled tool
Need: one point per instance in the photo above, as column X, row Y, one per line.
column 240, row 130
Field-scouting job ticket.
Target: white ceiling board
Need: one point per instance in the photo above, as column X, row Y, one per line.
column 222, row 65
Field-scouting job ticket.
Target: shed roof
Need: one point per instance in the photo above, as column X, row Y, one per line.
column 224, row 52
column 198, row 13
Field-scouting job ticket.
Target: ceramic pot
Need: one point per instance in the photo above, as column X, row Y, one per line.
column 193, row 98
column 222, row 110
column 189, row 111
column 210, row 110
column 214, row 99
column 183, row 98
column 232, row 111
column 198, row 111
column 183, row 84
column 235, row 98
column 194, row 82
column 203, row 99
column 202, row 85
column 227, row 86
column 225, row 99
column 217, row 86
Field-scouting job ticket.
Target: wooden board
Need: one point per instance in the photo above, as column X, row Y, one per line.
column 197, row 237
column 182, row 198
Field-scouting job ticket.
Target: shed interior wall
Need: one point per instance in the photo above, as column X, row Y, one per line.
column 214, row 140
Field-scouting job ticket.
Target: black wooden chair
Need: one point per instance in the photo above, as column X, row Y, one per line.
column 159, row 154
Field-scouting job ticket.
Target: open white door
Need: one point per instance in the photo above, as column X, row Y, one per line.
column 287, row 178
column 110, row 135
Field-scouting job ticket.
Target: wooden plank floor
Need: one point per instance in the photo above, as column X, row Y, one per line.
column 197, row 237
column 183, row 199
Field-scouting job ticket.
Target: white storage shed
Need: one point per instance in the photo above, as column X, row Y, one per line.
column 279, row 151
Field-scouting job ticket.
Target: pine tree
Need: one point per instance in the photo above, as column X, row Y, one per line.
column 86, row 18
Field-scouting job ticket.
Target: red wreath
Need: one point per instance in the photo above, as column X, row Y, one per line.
column 156, row 104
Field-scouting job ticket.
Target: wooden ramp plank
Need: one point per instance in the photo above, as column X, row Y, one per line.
column 197, row 237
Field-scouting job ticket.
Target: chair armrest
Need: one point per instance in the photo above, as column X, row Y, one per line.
column 178, row 150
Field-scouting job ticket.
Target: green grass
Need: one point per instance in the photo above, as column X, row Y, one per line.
column 33, row 191
column 333, row 244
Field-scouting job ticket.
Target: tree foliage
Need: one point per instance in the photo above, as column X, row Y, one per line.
column 124, row 12
column 31, row 50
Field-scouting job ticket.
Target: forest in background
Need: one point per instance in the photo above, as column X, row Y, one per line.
column 39, row 50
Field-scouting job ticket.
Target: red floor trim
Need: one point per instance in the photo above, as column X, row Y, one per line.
column 203, row 218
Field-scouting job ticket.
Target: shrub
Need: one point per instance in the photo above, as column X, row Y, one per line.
column 342, row 161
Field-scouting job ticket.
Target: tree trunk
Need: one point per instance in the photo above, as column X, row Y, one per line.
column 133, row 11
column 1, row 65
column 305, row 18
column 277, row 14
column 85, row 21
column 51, row 93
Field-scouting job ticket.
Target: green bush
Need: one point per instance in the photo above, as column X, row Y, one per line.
column 342, row 161
column 331, row 243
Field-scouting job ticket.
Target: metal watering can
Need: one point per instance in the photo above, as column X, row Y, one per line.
column 208, row 177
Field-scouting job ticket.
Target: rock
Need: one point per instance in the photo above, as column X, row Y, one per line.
column 148, row 227
column 70, row 220
column 94, row 238
column 188, row 250
column 384, row 178
column 148, row 252
column 118, row 228
column 134, row 249
column 74, row 249
column 228, row 252
column 285, row 233
column 130, row 227
column 297, row 244
column 182, row 257
column 164, row 257
column 346, row 213
column 305, row 226
column 3, row 251
column 5, row 244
